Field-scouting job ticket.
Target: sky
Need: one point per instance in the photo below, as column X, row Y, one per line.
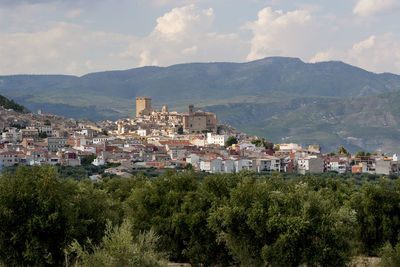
column 82, row 36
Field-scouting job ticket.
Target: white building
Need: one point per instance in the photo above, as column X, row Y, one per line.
column 238, row 164
column 310, row 164
column 54, row 143
column 87, row 132
column 216, row 166
column 290, row 147
column 205, row 165
column 216, row 139
column 211, row 165
column 52, row 159
column 99, row 161
column 142, row 132
column 247, row 164
column 193, row 159
column 47, row 129
column 228, row 166
column 267, row 164
column 103, row 139
column 10, row 158
column 12, row 135
column 198, row 142
column 338, row 165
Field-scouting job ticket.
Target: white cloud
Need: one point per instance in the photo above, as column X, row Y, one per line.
column 372, row 7
column 328, row 55
column 145, row 59
column 180, row 21
column 364, row 45
column 74, row 13
column 190, row 50
column 276, row 33
column 185, row 34
column 25, row 15
column 63, row 48
column 378, row 53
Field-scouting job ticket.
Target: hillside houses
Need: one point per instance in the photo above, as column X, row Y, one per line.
column 171, row 152
column 152, row 141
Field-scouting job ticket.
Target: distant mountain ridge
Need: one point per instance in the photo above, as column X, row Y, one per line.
column 272, row 97
column 287, row 75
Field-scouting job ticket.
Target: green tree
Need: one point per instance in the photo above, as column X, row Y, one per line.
column 154, row 205
column 41, row 214
column 269, row 145
column 342, row 150
column 360, row 154
column 42, row 135
column 33, row 217
column 272, row 222
column 262, row 142
column 378, row 215
column 230, row 141
column 202, row 246
column 119, row 248
column 189, row 167
column 10, row 104
column 180, row 130
column 257, row 142
column 390, row 256
column 88, row 159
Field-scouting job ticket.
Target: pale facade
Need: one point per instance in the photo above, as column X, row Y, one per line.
column 216, row 139
column 143, row 106
column 310, row 165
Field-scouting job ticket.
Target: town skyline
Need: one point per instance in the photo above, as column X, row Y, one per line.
column 163, row 139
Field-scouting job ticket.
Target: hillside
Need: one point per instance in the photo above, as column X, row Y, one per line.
column 273, row 97
column 10, row 104
column 371, row 123
column 110, row 94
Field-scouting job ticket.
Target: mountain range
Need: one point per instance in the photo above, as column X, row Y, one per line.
column 281, row 99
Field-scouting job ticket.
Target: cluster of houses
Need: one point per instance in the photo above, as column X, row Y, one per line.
column 204, row 152
column 153, row 140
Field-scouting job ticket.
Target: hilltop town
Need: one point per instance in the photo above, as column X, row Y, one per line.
column 165, row 139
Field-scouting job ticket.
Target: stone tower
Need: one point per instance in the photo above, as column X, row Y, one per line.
column 143, row 106
column 191, row 109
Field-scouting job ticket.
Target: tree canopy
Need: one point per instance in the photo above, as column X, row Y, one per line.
column 262, row 142
column 243, row 219
column 231, row 141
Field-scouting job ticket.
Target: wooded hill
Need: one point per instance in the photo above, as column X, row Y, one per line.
column 281, row 99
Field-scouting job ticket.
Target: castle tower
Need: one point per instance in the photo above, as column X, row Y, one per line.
column 164, row 109
column 143, row 106
column 191, row 109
